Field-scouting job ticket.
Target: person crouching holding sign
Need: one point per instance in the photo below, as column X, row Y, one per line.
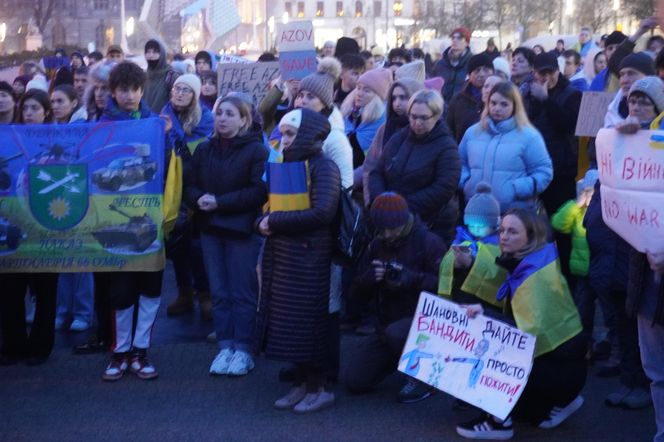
column 539, row 302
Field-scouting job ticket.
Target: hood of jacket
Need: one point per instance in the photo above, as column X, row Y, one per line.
column 162, row 63
column 314, row 128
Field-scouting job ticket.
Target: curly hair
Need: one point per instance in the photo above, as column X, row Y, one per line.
column 127, row 74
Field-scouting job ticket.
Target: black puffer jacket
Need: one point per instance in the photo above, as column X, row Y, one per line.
column 297, row 257
column 464, row 111
column 639, row 270
column 232, row 170
column 425, row 171
column 454, row 75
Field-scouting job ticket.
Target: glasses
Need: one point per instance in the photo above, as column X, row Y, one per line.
column 422, row 118
column 644, row 102
column 182, row 90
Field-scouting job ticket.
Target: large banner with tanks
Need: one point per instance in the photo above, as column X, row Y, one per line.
column 82, row 197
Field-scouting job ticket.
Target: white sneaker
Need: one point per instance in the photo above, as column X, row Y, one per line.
column 557, row 415
column 78, row 326
column 241, row 364
column 314, row 402
column 221, row 362
column 295, row 395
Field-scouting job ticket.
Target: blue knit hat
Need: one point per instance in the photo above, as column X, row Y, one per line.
column 389, row 211
column 483, row 209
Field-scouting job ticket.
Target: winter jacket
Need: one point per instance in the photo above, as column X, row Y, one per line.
column 425, row 171
column 272, row 108
column 454, row 75
column 200, row 133
column 419, row 252
column 113, row 113
column 464, row 110
column 569, row 219
column 296, row 263
column 159, row 82
column 231, row 170
column 513, row 161
column 639, row 273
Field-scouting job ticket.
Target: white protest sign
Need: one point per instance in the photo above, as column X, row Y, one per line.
column 481, row 361
column 295, row 36
column 631, row 172
column 251, row 78
column 591, row 113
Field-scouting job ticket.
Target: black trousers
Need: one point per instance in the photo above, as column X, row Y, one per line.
column 375, row 357
column 17, row 341
column 126, row 287
column 103, row 305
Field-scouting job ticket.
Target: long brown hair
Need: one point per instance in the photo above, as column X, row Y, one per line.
column 511, row 92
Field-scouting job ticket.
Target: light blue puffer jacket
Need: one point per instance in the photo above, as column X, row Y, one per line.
column 514, row 161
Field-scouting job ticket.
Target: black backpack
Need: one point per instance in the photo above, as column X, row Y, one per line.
column 353, row 232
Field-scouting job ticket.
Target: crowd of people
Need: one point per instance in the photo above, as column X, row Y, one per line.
column 466, row 171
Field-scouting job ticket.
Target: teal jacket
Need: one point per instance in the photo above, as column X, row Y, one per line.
column 569, row 219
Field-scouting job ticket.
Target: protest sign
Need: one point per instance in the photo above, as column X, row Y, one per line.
column 82, row 197
column 481, row 361
column 591, row 113
column 251, row 78
column 226, row 58
column 297, row 50
column 631, row 173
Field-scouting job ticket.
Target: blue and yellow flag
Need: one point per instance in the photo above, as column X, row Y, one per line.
column 288, row 185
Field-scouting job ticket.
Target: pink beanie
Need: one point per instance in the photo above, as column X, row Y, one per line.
column 378, row 80
column 434, row 83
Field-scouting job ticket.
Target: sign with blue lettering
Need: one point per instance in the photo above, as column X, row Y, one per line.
column 481, row 361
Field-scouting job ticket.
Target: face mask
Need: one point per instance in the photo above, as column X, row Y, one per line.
column 480, row 231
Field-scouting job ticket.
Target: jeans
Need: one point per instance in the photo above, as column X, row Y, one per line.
column 651, row 343
column 230, row 264
column 75, row 296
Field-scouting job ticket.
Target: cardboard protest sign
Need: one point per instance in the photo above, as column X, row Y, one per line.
column 481, row 361
column 82, row 197
column 251, row 78
column 225, row 58
column 631, row 172
column 297, row 50
column 591, row 113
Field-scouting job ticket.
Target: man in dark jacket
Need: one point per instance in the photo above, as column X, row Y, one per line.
column 402, row 261
column 453, row 66
column 160, row 77
column 553, row 107
column 466, row 107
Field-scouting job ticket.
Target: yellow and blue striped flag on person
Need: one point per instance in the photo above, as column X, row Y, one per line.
column 288, row 185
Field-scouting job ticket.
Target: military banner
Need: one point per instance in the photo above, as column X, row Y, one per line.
column 482, row 361
column 82, row 197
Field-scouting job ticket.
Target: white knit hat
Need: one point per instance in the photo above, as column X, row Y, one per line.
column 192, row 81
column 292, row 118
column 38, row 82
column 414, row 70
column 502, row 65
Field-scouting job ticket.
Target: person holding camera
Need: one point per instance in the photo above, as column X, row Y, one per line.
column 399, row 263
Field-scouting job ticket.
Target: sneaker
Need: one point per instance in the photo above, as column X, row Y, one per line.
column 221, row 362
column 292, row 398
column 637, row 399
column 116, row 368
column 78, row 326
column 141, row 367
column 241, row 364
column 486, row 427
column 414, row 391
column 557, row 415
column 616, row 398
column 314, row 402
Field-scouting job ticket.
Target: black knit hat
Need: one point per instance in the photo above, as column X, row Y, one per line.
column 640, row 62
column 478, row 61
column 346, row 45
column 614, row 38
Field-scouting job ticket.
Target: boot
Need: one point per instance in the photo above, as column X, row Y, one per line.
column 183, row 304
column 206, row 305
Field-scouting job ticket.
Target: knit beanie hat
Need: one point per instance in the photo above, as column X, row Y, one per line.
column 483, row 209
column 389, row 211
column 652, row 87
column 640, row 62
column 434, row 84
column 203, row 55
column 414, row 70
column 6, row 87
column 292, row 118
column 191, row 81
column 502, row 65
column 465, row 33
column 346, row 45
column 39, row 82
column 614, row 38
column 378, row 80
column 321, row 83
column 478, row 61
column 589, row 180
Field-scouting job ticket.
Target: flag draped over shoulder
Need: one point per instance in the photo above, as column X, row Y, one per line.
column 288, row 185
column 541, row 301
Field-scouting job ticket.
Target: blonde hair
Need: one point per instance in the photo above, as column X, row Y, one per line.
column 191, row 116
column 511, row 92
column 431, row 99
column 370, row 113
column 243, row 108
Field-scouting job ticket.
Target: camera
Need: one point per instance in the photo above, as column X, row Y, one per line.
column 393, row 271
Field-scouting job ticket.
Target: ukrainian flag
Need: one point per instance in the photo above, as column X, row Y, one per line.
column 289, row 186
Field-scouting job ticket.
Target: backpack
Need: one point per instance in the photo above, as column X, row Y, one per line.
column 353, row 233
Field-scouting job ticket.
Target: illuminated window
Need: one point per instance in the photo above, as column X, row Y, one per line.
column 378, row 8
column 398, row 8
column 320, row 9
column 300, row 9
column 358, row 9
column 340, row 9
